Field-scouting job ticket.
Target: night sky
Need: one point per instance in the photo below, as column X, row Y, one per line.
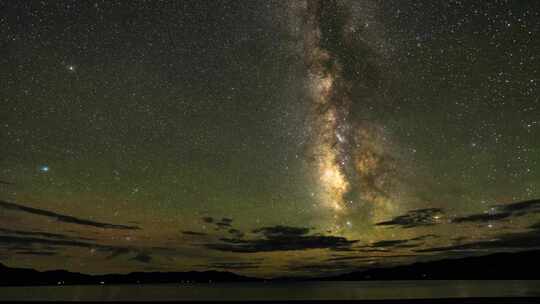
column 267, row 138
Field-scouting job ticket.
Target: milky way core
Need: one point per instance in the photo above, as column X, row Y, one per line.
column 349, row 153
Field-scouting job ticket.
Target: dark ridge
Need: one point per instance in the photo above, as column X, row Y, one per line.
column 498, row 266
column 30, row 277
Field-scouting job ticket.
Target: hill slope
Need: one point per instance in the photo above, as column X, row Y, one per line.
column 498, row 266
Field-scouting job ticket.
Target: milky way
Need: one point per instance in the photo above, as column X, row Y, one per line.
column 349, row 153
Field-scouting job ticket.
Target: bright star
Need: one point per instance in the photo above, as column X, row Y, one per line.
column 44, row 169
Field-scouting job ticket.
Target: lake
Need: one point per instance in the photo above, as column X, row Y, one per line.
column 372, row 290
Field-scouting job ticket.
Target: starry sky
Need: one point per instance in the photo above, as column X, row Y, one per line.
column 267, row 138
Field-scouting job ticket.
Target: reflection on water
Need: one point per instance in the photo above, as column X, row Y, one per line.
column 280, row 291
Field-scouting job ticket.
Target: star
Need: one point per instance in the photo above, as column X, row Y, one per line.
column 315, row 122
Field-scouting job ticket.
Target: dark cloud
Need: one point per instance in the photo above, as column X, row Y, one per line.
column 40, row 233
column 187, row 232
column 61, row 217
column 142, row 257
column 5, row 183
column 526, row 240
column 281, row 238
column 326, row 268
column 276, row 231
column 343, row 249
column 535, row 226
column 407, row 246
column 415, row 218
column 349, row 258
column 221, row 225
column 116, row 252
column 234, row 265
column 482, row 217
column 40, row 253
column 208, row 219
column 236, row 232
column 224, row 223
column 389, row 243
column 29, row 241
column 501, row 212
column 23, row 243
column 459, row 239
column 384, row 244
column 370, row 257
column 11, row 247
column 370, row 250
column 522, row 207
column 226, row 220
column 425, row 237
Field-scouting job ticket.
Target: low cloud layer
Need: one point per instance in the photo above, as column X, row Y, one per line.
column 232, row 266
column 415, row 218
column 193, row 233
column 40, row 234
column 224, row 223
column 142, row 258
column 47, row 244
column 501, row 212
column 525, row 240
column 61, row 217
column 281, row 238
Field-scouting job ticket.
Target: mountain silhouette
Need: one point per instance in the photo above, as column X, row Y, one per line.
column 25, row 277
column 498, row 266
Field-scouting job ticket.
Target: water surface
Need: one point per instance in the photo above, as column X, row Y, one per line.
column 373, row 290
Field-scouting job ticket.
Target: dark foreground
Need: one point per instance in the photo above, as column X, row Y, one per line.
column 363, row 292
